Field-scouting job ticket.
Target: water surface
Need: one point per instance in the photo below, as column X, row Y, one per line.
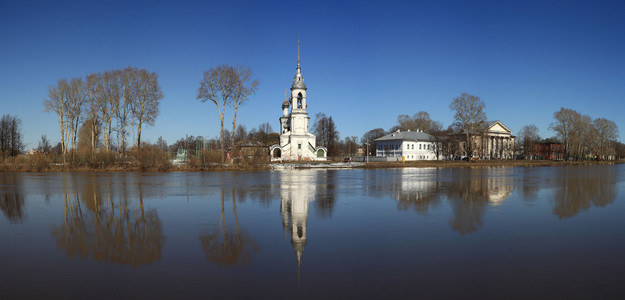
column 541, row 232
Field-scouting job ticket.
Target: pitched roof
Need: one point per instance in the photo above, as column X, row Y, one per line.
column 406, row 136
column 489, row 124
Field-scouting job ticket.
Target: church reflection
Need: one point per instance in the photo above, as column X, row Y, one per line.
column 298, row 189
column 105, row 226
column 11, row 197
column 224, row 246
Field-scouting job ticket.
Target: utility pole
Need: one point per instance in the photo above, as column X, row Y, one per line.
column 367, row 150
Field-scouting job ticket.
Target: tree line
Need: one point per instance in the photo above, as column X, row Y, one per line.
column 581, row 136
column 10, row 136
column 584, row 137
column 117, row 101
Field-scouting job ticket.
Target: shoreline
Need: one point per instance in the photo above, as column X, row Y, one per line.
column 320, row 165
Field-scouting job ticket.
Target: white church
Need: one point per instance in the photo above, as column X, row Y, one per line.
column 296, row 143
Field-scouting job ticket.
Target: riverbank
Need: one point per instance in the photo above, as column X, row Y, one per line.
column 134, row 166
column 435, row 164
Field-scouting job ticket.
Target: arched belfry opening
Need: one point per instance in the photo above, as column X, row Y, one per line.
column 299, row 100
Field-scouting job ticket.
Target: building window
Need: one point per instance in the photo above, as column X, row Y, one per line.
column 299, row 146
column 419, row 146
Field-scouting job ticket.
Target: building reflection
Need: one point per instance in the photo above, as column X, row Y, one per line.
column 224, row 245
column 108, row 227
column 577, row 188
column 417, row 189
column 298, row 188
column 11, row 197
column 470, row 191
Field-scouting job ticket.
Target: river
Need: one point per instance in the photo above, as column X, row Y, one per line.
column 505, row 232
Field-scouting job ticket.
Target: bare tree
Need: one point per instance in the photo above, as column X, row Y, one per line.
column 244, row 86
column 58, row 103
column 563, row 127
column 128, row 92
column 94, row 87
column 469, row 118
column 44, row 145
column 419, row 121
column 10, row 136
column 76, row 100
column 241, row 133
column 109, row 104
column 439, row 137
column 607, row 131
column 529, row 136
column 148, row 94
column 326, row 133
column 217, row 86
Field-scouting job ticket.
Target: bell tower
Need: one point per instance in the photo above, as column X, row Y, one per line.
column 299, row 116
column 296, row 143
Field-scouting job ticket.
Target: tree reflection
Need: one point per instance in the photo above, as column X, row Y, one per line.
column 12, row 198
column 224, row 247
column 471, row 192
column 325, row 194
column 580, row 187
column 109, row 230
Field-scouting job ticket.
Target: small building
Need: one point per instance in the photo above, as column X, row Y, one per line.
column 549, row 150
column 407, row 145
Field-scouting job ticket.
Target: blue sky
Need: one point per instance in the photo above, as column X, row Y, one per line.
column 364, row 62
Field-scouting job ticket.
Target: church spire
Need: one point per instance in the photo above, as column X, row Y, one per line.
column 298, row 80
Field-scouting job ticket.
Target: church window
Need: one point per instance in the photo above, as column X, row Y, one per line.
column 299, row 100
column 419, row 146
column 299, row 146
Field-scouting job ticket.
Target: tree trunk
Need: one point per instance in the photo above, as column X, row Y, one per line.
column 221, row 132
column 234, row 121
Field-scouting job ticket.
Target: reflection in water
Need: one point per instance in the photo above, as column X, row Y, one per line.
column 417, row 189
column 580, row 187
column 297, row 188
column 108, row 228
column 325, row 191
column 222, row 246
column 11, row 197
column 471, row 190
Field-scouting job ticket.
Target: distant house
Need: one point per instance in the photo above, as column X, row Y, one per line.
column 250, row 150
column 549, row 150
column 407, row 145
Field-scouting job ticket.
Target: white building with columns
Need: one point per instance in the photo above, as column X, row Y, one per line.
column 296, row 143
column 495, row 142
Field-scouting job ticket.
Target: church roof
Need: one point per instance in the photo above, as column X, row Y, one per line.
column 298, row 80
column 416, row 136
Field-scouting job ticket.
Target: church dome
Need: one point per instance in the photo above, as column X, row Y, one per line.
column 298, row 80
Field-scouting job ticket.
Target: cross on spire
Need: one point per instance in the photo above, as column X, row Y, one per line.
column 298, row 51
